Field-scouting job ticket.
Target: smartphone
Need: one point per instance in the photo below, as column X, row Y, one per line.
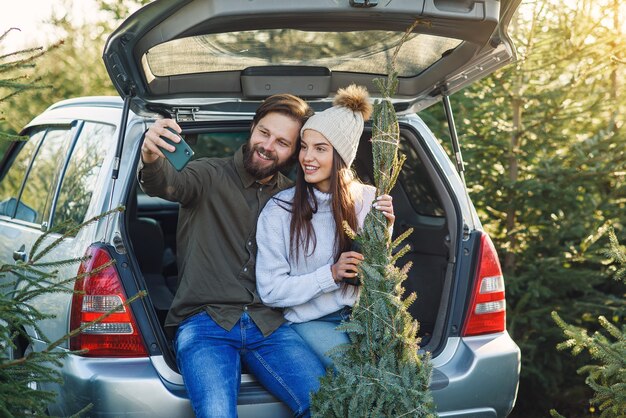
column 181, row 156
column 354, row 281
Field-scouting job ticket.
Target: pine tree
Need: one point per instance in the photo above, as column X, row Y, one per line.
column 22, row 370
column 608, row 378
column 381, row 373
column 15, row 78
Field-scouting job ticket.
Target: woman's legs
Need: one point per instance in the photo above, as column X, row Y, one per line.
column 321, row 335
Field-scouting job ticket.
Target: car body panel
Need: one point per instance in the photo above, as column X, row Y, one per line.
column 484, row 366
column 474, row 376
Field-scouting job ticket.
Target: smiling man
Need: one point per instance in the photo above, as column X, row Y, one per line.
column 217, row 318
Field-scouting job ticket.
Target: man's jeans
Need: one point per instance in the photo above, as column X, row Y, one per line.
column 210, row 358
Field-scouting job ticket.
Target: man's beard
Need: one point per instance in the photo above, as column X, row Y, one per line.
column 261, row 173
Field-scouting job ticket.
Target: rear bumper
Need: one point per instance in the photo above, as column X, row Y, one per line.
column 477, row 377
column 474, row 377
column 133, row 388
column 116, row 388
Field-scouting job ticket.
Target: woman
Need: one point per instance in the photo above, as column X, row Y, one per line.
column 304, row 259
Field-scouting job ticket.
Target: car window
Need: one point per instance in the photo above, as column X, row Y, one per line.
column 216, row 144
column 353, row 51
column 11, row 183
column 418, row 184
column 224, row 144
column 79, row 181
column 43, row 175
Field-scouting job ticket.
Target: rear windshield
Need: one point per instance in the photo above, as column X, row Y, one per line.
column 362, row 51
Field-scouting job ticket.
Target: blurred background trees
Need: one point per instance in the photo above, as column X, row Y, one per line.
column 543, row 140
column 74, row 67
column 544, row 144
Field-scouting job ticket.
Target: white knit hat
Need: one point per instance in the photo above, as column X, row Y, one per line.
column 342, row 124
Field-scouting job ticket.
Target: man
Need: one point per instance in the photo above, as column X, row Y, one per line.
column 217, row 316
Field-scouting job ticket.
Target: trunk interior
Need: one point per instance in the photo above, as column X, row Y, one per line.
column 420, row 201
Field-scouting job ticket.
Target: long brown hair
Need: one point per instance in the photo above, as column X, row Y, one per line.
column 301, row 233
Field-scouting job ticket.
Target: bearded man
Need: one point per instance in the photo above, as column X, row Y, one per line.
column 217, row 319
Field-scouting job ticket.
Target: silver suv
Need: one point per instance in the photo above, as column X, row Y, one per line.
column 208, row 63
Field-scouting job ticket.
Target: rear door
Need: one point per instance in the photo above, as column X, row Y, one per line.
column 30, row 174
column 46, row 184
column 200, row 55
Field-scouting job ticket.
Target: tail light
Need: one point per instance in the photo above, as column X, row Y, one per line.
column 487, row 312
column 94, row 295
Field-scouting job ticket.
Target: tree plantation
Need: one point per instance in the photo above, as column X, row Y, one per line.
column 544, row 146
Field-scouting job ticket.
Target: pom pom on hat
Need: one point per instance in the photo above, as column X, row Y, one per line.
column 354, row 98
column 342, row 124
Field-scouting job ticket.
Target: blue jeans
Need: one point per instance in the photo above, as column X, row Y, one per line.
column 321, row 335
column 210, row 357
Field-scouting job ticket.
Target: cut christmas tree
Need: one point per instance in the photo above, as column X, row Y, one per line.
column 381, row 373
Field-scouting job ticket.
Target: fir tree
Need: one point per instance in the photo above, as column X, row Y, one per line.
column 22, row 370
column 608, row 348
column 381, row 373
column 15, row 77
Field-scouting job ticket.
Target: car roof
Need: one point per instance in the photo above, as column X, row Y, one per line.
column 201, row 52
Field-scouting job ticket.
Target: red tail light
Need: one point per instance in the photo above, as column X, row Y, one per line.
column 94, row 295
column 487, row 312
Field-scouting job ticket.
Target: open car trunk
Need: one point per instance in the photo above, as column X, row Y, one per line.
column 421, row 202
column 198, row 60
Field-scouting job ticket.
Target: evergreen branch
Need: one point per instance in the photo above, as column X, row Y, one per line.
column 348, row 230
column 396, row 171
column 6, row 32
column 400, row 254
column 401, row 238
column 71, row 232
column 405, row 269
column 375, row 315
column 408, row 301
column 19, row 82
column 22, row 90
column 66, row 262
column 35, row 51
column 55, row 286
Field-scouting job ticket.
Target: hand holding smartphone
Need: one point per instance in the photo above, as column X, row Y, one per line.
column 354, row 281
column 181, row 155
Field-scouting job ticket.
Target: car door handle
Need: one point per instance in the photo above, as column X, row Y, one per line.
column 20, row 254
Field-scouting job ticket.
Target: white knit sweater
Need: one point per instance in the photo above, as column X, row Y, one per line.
column 305, row 288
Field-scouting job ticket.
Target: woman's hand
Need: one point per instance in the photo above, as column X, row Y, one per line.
column 346, row 266
column 384, row 204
